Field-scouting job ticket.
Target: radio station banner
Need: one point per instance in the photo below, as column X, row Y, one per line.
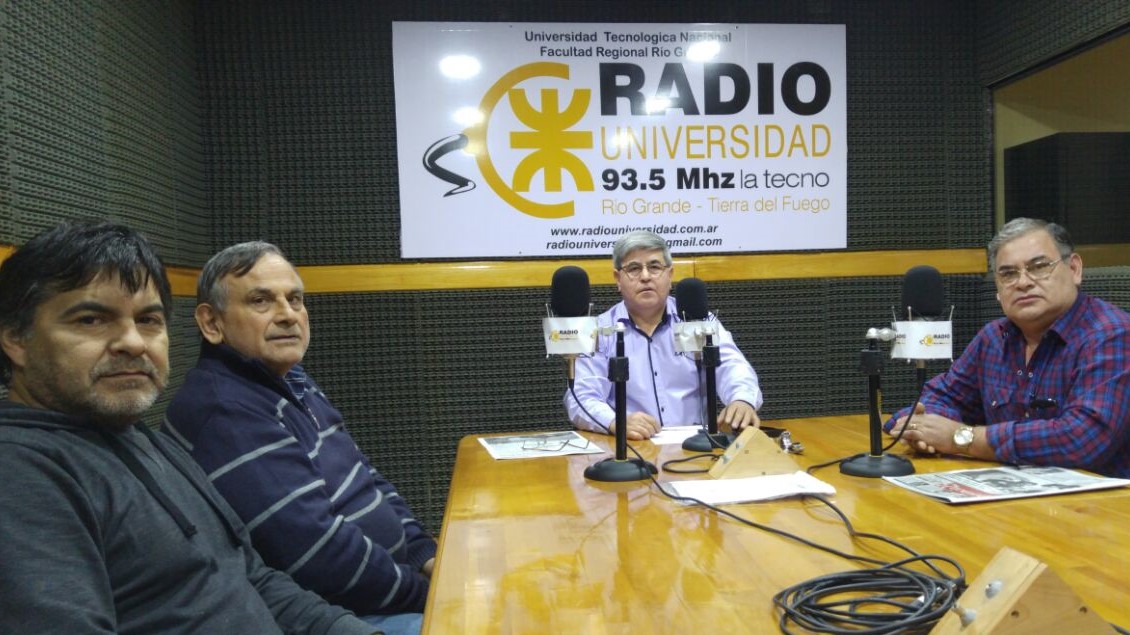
column 532, row 139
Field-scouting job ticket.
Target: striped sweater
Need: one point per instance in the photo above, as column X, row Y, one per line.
column 279, row 453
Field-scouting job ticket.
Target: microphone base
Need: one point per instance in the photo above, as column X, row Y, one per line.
column 703, row 441
column 620, row 471
column 871, row 466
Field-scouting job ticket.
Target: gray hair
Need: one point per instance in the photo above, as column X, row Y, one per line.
column 1018, row 227
column 236, row 260
column 639, row 239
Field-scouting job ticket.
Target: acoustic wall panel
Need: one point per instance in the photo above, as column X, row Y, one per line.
column 101, row 119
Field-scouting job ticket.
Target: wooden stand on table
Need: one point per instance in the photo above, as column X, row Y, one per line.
column 1019, row 595
column 753, row 454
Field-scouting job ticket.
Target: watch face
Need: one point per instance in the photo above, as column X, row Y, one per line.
column 963, row 436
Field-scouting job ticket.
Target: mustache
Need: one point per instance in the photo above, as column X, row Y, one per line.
column 138, row 365
column 290, row 333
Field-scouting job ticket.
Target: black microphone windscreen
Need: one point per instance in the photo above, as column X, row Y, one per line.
column 569, row 292
column 924, row 292
column 690, row 299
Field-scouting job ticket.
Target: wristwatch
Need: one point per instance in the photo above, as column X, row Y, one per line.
column 963, row 438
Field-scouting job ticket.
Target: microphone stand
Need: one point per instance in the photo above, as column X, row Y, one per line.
column 707, row 440
column 620, row 468
column 919, row 364
column 920, row 374
column 875, row 464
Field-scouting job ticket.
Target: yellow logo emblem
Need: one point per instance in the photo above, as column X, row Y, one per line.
column 548, row 138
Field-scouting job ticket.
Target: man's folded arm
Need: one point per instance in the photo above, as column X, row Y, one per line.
column 268, row 479
column 592, row 388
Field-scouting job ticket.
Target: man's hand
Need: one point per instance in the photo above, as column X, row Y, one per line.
column 927, row 433
column 738, row 416
column 427, row 568
column 640, row 425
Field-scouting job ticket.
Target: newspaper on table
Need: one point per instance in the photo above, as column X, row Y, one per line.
column 1004, row 482
column 538, row 445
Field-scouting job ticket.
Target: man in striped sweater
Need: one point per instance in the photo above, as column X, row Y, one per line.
column 274, row 446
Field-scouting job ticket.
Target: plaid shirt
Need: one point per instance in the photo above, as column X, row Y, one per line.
column 1068, row 406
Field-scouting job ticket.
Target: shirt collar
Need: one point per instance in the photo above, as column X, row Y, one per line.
column 295, row 379
column 1069, row 322
column 1062, row 327
column 619, row 313
column 231, row 357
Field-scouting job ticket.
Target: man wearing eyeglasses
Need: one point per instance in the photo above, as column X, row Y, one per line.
column 665, row 388
column 1045, row 385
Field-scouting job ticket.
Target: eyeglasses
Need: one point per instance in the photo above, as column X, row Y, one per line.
column 554, row 445
column 634, row 269
column 1039, row 270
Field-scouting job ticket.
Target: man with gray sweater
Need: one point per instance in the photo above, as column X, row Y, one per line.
column 107, row 527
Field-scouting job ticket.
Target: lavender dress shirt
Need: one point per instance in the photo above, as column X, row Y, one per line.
column 661, row 382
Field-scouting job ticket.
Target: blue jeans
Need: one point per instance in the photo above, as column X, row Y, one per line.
column 399, row 624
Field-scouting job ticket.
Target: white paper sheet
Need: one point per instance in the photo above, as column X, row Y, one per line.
column 754, row 488
column 671, row 435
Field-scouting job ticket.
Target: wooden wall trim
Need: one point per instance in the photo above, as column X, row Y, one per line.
column 183, row 281
column 434, row 276
column 438, row 276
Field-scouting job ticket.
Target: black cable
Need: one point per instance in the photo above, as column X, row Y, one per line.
column 573, row 392
column 909, row 417
column 816, row 604
column 712, row 457
column 745, row 521
column 687, row 459
column 813, row 468
column 888, row 599
column 893, row 443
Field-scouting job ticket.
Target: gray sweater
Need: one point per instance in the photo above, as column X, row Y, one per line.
column 122, row 533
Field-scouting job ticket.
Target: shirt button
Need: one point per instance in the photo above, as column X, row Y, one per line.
column 1029, row 375
column 1019, row 373
column 994, row 404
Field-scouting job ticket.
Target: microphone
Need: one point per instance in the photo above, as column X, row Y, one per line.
column 923, row 293
column 695, row 334
column 923, row 323
column 690, row 299
column 875, row 464
column 620, row 468
column 922, row 330
column 569, row 292
column 690, row 304
column 569, row 329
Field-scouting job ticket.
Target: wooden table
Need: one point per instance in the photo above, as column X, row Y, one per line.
column 530, row 546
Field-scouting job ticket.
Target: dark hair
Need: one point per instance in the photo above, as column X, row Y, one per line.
column 236, row 260
column 67, row 257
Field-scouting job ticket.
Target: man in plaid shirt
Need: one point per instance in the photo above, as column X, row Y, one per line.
column 1049, row 383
